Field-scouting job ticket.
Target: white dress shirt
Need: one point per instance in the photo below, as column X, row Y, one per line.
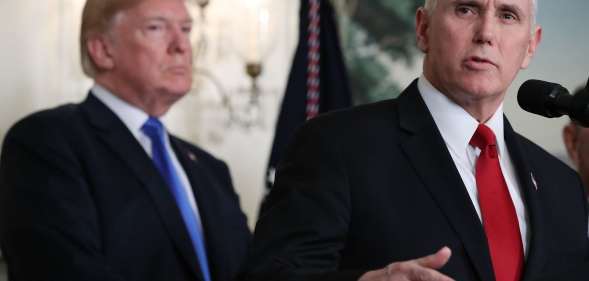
column 457, row 128
column 134, row 118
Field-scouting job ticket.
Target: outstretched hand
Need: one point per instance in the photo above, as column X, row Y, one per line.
column 421, row 269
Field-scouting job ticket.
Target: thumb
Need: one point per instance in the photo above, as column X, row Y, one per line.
column 437, row 260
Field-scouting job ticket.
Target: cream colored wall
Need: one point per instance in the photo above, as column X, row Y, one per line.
column 32, row 59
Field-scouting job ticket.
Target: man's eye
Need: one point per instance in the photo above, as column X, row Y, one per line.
column 464, row 10
column 154, row 27
column 508, row 17
column 187, row 29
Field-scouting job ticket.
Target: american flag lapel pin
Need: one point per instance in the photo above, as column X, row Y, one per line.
column 192, row 157
column 534, row 181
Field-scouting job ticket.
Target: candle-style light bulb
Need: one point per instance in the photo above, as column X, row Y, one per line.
column 202, row 4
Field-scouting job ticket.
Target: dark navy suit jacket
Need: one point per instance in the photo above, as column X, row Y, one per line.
column 81, row 200
column 375, row 184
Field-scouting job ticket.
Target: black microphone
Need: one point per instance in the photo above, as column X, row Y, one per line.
column 553, row 100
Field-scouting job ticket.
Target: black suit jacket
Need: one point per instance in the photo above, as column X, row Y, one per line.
column 365, row 187
column 81, row 200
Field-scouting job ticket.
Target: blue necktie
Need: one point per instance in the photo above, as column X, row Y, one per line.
column 154, row 129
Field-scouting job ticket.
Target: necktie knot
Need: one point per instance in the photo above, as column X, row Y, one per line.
column 483, row 137
column 153, row 128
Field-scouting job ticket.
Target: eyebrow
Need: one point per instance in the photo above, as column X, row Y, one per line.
column 512, row 7
column 502, row 6
column 164, row 19
column 474, row 3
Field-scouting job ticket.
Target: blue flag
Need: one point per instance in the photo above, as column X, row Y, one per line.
column 334, row 89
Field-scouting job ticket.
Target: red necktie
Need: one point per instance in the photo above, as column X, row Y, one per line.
column 497, row 210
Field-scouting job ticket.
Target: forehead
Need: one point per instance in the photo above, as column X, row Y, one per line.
column 165, row 9
column 524, row 5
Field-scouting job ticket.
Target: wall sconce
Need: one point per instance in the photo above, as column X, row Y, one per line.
column 200, row 47
column 202, row 4
column 250, row 38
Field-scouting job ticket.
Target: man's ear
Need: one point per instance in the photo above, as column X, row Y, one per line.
column 421, row 28
column 535, row 40
column 99, row 49
column 570, row 135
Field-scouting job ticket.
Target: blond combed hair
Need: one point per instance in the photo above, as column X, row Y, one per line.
column 97, row 17
column 430, row 6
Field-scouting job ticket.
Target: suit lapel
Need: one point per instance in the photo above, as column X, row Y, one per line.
column 203, row 187
column 424, row 147
column 206, row 190
column 118, row 138
column 530, row 189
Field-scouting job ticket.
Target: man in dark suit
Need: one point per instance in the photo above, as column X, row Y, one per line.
column 433, row 185
column 576, row 141
column 99, row 190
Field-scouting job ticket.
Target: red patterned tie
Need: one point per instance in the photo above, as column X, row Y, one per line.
column 497, row 210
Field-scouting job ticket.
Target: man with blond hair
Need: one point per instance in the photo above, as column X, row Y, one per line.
column 100, row 190
column 434, row 185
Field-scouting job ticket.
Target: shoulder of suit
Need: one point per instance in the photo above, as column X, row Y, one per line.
column 52, row 121
column 357, row 117
column 540, row 158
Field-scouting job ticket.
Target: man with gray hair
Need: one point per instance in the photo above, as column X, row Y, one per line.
column 100, row 190
column 434, row 185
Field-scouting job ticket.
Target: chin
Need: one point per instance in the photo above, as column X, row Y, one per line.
column 480, row 87
column 179, row 87
column 176, row 94
column 170, row 95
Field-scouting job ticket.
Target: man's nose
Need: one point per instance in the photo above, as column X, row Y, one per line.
column 486, row 29
column 180, row 42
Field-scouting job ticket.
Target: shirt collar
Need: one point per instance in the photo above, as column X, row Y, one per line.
column 455, row 124
column 132, row 116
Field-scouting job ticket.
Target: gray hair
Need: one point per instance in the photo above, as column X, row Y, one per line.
column 430, row 6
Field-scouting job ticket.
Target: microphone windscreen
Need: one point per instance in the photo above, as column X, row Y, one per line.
column 540, row 97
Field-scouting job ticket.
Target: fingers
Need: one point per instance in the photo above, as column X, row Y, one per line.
column 437, row 260
column 427, row 274
column 421, row 269
column 412, row 271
